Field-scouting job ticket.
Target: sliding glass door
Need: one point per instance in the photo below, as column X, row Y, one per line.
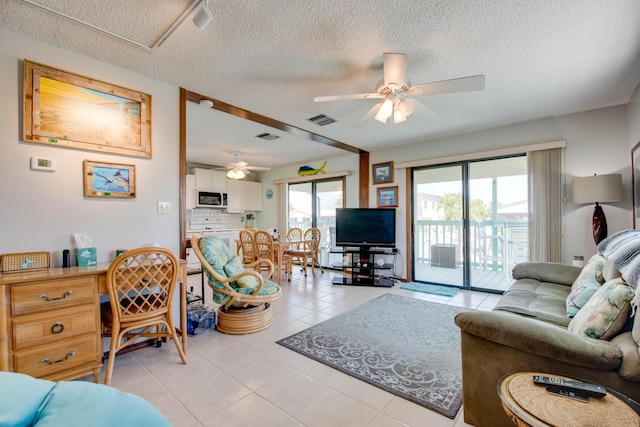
column 313, row 204
column 470, row 222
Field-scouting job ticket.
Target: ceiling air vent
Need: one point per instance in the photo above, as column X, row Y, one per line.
column 322, row 120
column 267, row 136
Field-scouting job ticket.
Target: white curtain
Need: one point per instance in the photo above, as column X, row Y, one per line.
column 545, row 205
column 282, row 196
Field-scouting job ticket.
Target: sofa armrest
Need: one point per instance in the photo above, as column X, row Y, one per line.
column 547, row 272
column 540, row 338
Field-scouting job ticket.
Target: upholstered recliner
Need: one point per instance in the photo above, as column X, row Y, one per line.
column 243, row 293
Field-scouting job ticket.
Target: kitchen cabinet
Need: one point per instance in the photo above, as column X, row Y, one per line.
column 190, row 190
column 244, row 196
column 210, row 180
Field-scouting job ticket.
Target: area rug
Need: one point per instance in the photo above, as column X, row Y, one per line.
column 427, row 288
column 406, row 346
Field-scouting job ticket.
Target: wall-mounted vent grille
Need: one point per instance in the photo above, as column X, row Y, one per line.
column 321, row 120
column 267, row 136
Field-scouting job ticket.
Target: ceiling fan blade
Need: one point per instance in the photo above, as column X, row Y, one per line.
column 343, row 97
column 257, row 168
column 395, row 68
column 463, row 84
column 421, row 110
column 369, row 115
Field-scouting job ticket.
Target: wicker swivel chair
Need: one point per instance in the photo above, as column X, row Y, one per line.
column 141, row 284
column 244, row 295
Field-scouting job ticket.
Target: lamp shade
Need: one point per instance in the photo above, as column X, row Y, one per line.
column 597, row 188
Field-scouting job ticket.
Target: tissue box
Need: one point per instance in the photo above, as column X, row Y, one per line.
column 86, row 257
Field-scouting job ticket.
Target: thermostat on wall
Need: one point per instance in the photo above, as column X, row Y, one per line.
column 43, row 164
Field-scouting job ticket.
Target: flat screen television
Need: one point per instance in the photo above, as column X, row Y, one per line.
column 366, row 227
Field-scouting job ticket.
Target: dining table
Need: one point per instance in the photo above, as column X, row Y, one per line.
column 281, row 245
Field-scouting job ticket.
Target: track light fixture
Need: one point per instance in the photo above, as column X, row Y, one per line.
column 203, row 17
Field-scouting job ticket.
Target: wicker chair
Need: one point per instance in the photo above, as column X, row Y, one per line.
column 306, row 252
column 141, row 283
column 265, row 248
column 244, row 295
column 248, row 245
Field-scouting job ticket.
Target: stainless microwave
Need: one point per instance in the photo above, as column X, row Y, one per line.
column 210, row 199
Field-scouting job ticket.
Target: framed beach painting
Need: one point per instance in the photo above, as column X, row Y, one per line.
column 635, row 179
column 109, row 180
column 68, row 110
column 387, row 197
column 382, row 173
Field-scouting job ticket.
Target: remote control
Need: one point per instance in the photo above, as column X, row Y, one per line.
column 578, row 387
column 569, row 394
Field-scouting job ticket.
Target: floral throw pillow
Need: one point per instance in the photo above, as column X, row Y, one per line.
column 606, row 312
column 581, row 294
column 593, row 268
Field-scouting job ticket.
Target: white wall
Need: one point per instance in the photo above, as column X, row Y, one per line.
column 596, row 143
column 39, row 211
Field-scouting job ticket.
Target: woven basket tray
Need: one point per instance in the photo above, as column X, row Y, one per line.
column 24, row 261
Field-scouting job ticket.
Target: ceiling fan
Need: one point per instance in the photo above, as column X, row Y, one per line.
column 238, row 169
column 398, row 93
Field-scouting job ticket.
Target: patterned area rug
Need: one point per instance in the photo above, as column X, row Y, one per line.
column 427, row 288
column 406, row 346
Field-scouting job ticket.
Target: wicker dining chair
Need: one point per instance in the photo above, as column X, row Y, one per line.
column 141, row 284
column 306, row 252
column 265, row 248
column 248, row 245
column 294, row 233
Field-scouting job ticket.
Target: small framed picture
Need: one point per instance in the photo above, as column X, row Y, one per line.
column 109, row 180
column 388, row 197
column 382, row 173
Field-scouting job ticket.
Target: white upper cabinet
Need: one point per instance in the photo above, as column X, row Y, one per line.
column 190, row 199
column 210, row 180
column 244, row 196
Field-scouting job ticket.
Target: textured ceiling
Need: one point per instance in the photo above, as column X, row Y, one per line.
column 541, row 58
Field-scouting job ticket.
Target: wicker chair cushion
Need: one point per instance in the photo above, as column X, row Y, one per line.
column 235, row 267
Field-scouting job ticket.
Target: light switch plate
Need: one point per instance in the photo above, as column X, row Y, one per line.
column 164, row 207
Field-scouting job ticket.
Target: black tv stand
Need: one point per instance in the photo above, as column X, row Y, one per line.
column 363, row 267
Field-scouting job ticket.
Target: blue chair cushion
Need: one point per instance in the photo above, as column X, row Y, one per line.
column 27, row 401
column 235, row 267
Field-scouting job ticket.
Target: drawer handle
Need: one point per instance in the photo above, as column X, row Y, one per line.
column 50, row 362
column 46, row 298
column 57, row 328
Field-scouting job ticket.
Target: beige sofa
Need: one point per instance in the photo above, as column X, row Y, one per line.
column 529, row 331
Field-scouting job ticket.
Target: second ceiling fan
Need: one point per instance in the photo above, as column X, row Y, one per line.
column 398, row 93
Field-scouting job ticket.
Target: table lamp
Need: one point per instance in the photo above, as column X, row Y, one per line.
column 598, row 189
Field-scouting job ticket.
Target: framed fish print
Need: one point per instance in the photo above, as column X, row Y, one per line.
column 109, row 180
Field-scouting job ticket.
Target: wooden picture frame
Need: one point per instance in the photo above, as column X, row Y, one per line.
column 635, row 181
column 68, row 110
column 382, row 173
column 387, row 197
column 109, row 180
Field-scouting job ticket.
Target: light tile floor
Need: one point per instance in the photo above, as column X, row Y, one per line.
column 249, row 380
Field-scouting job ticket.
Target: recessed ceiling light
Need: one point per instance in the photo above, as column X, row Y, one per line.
column 267, row 136
column 321, row 120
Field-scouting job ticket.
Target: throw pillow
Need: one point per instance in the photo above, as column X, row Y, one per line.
column 581, row 294
column 606, row 312
column 593, row 268
column 235, row 267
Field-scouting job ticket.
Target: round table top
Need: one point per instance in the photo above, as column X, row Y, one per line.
column 530, row 404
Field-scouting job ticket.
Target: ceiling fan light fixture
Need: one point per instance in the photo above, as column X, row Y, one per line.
column 235, row 174
column 385, row 111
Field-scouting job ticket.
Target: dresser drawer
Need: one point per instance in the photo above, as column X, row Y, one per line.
column 46, row 360
column 54, row 326
column 51, row 295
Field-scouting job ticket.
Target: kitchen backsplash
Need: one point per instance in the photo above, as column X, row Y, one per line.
column 220, row 218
